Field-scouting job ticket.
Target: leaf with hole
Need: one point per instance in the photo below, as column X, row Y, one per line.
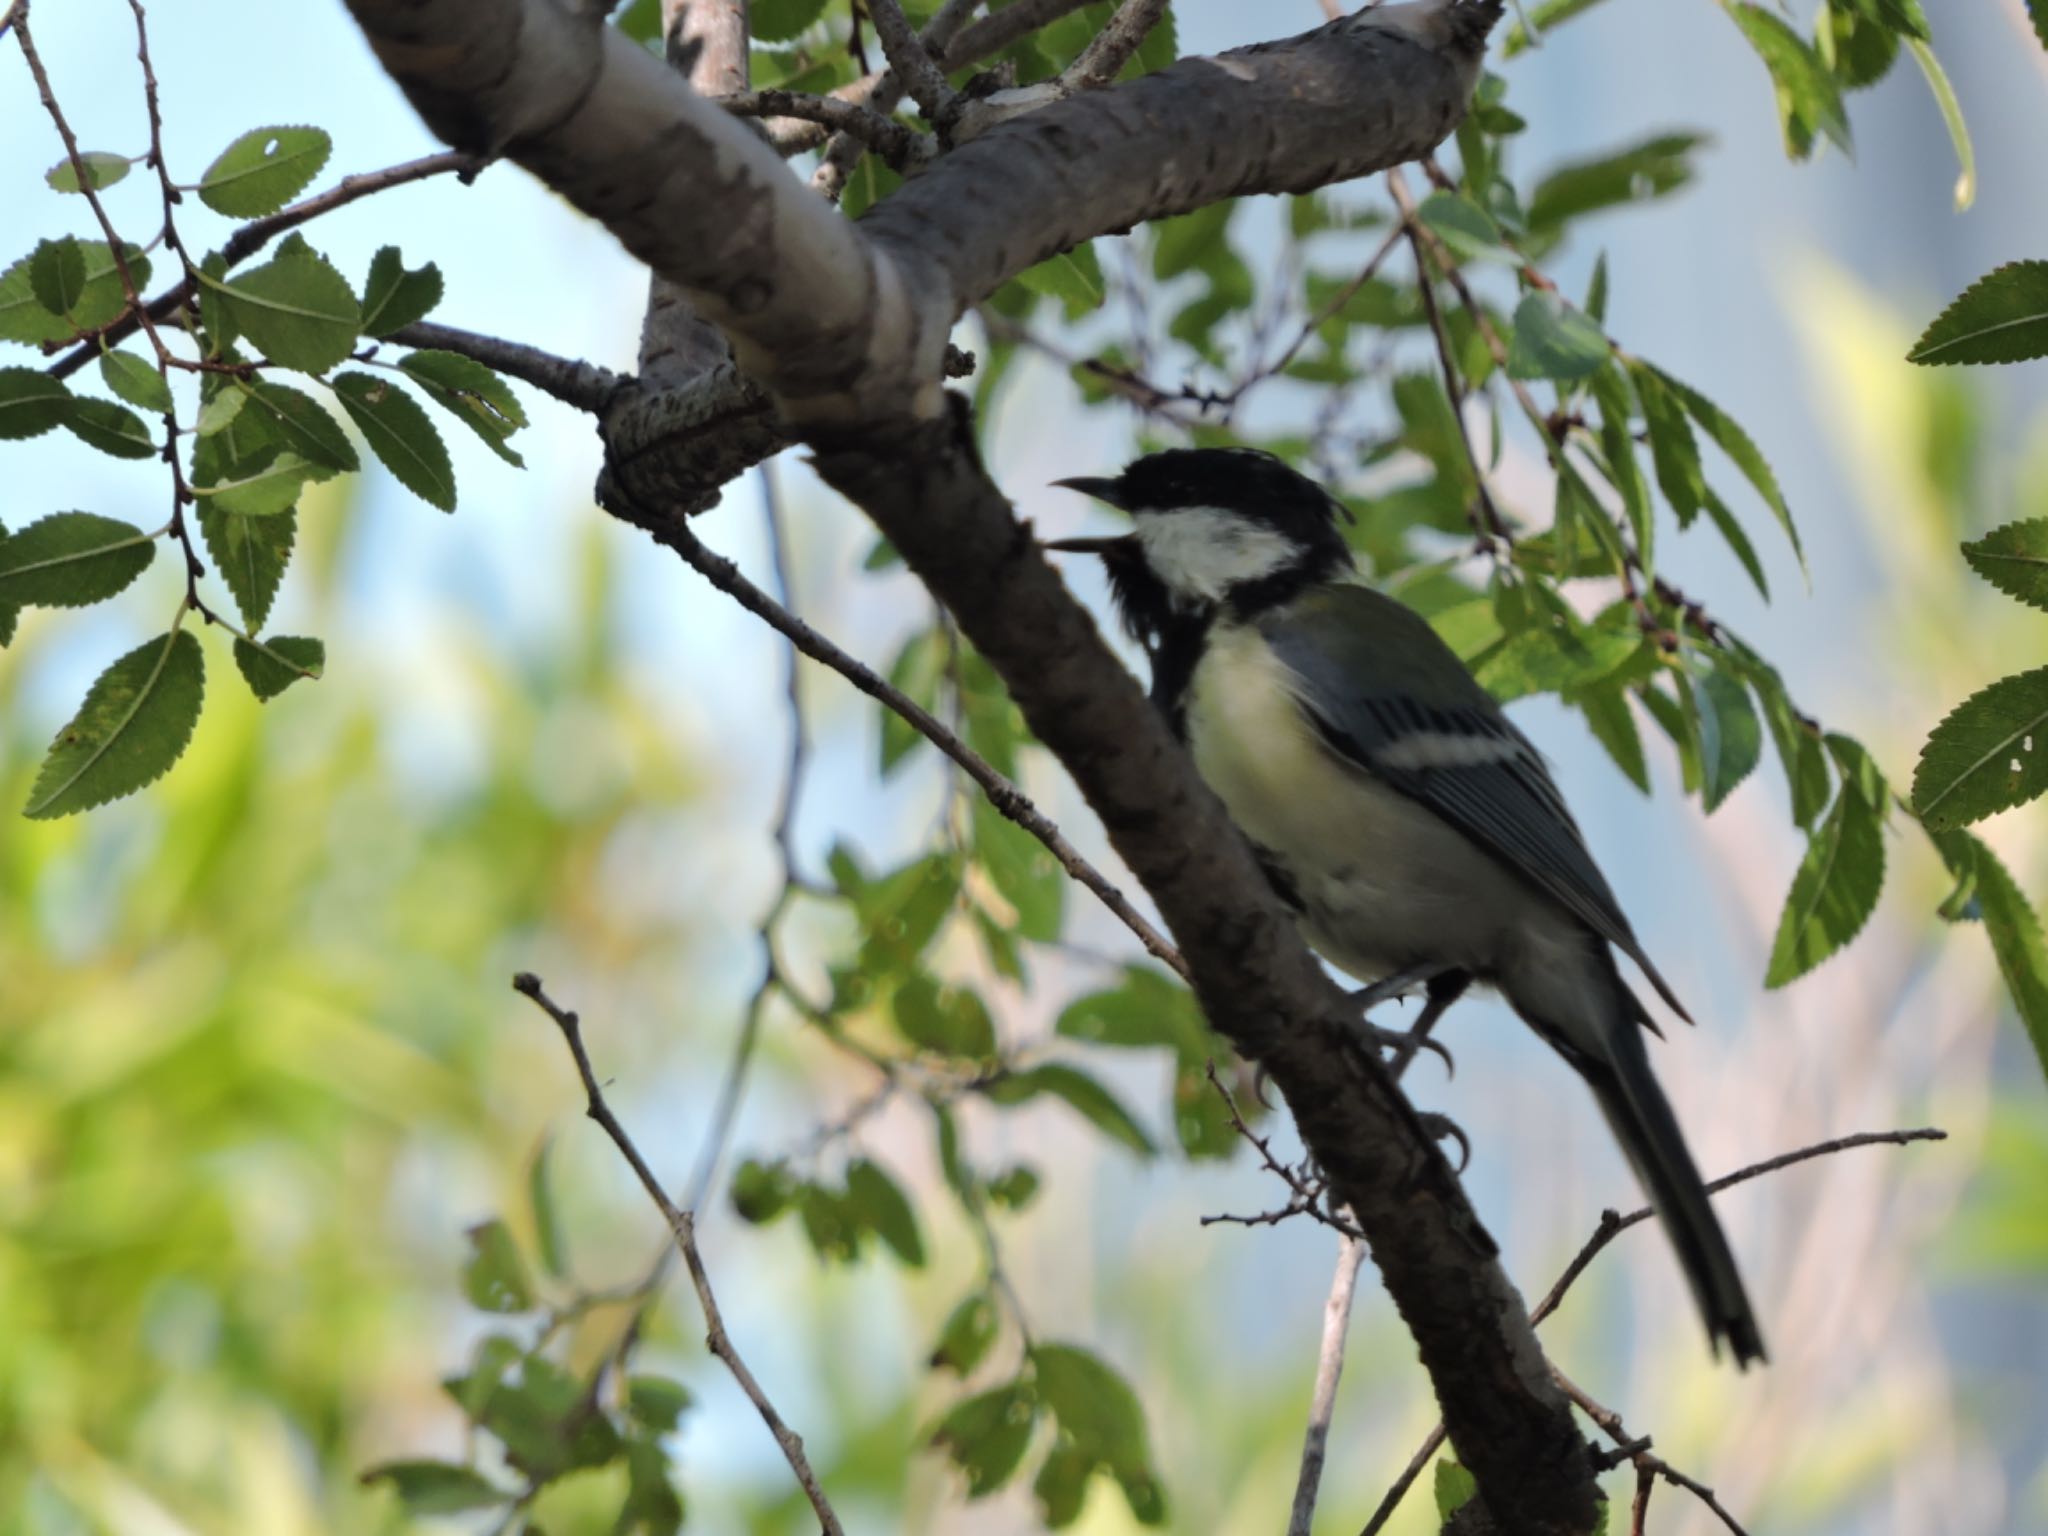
column 136, row 720
column 1989, row 755
column 263, row 170
column 70, row 559
column 399, row 433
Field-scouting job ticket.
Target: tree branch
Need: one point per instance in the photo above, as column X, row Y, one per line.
column 906, row 150
column 1112, row 47
column 1329, row 1371
column 586, row 386
column 910, row 62
column 683, row 1224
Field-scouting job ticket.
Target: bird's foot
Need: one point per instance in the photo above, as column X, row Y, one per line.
column 1444, row 1128
column 1400, row 1045
column 1389, row 987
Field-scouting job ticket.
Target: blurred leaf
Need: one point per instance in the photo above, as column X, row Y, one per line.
column 1454, row 1488
column 964, row 1340
column 297, row 308
column 23, row 319
column 495, row 1279
column 1952, row 119
column 1809, row 100
column 1553, row 340
column 111, row 429
column 135, row 381
column 1550, row 658
column 1146, row 1008
column 1093, row 1102
column 547, row 1220
column 777, row 21
column 394, row 297
column 2014, row 559
column 548, row 1422
column 1464, row 227
column 1073, row 277
column 438, row 1487
column 1100, row 1417
column 1023, row 869
column 658, row 1402
column 251, row 554
column 1633, row 174
column 652, row 1507
column 2011, row 925
column 31, row 402
column 56, row 274
column 135, row 722
column 1191, row 240
column 916, row 673
column 761, row 1191
column 1014, row 1188
column 70, row 559
column 1542, row 16
column 1731, row 737
column 950, row 1020
column 399, row 433
column 2000, row 318
column 884, row 1211
column 1833, row 893
column 1990, row 754
column 274, row 663
column 986, row 1436
column 263, row 169
column 102, row 170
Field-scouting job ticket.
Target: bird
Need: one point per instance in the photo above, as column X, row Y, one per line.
column 1414, row 831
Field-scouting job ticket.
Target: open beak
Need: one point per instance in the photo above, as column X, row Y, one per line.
column 1103, row 491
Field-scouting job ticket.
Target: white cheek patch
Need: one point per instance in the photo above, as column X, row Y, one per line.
column 1200, row 553
column 1445, row 749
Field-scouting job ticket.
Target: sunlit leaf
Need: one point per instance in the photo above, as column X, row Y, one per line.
column 1455, row 1487
column 264, row 169
column 102, row 170
column 135, row 722
column 296, row 308
column 135, row 381
column 1542, row 16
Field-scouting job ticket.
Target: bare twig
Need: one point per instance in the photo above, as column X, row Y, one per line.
column 586, row 386
column 1002, row 794
column 903, row 147
column 1112, row 47
column 911, row 62
column 683, row 1225
column 1307, row 1194
column 1391, row 1500
column 1636, row 1450
column 1329, row 1371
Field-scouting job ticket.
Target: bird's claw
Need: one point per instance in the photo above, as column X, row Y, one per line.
column 1444, row 1128
column 1402, row 1044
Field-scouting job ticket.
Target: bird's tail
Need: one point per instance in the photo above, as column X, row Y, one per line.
column 1648, row 1131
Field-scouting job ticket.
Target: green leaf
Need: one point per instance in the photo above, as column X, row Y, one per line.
column 1674, row 451
column 1014, row 1188
column 1541, row 17
column 1061, row 1486
column 1464, row 227
column 549, row 1422
column 1553, row 340
column 1023, row 870
column 495, row 1279
column 964, row 1340
column 399, row 433
column 1990, row 754
column 112, row 429
column 884, row 1211
column 220, row 412
column 56, row 274
column 251, row 554
column 102, row 170
column 1100, row 1416
column 263, row 170
column 1731, row 736
column 135, row 381
column 302, row 424
column 547, row 1219
column 271, row 665
column 1192, row 240
column 269, row 490
column 1550, row 658
column 1809, row 98
column 986, row 1436
column 915, row 672
column 70, row 559
column 2012, row 926
column 1614, row 727
column 1618, row 444
column 296, row 308
column 1799, row 750
column 438, row 1487
column 778, row 21
column 1833, row 893
column 761, row 1191
column 1073, row 277
column 1455, row 1488
column 474, row 395
column 1635, row 173
column 23, row 319
column 1093, row 1102
column 831, row 1225
column 2000, row 318
column 136, row 720
column 2038, row 10
column 1728, row 435
column 1596, row 291
column 658, row 1402
column 394, row 297
column 1736, row 538
column 1952, row 119
column 2014, row 559
column 950, row 1020
column 31, row 402
column 1146, row 1009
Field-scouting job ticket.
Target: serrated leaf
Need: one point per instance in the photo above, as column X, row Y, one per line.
column 1552, row 340
column 1990, row 754
column 1833, row 893
column 394, row 297
column 1618, row 444
column 1455, row 1488
column 296, row 308
column 1674, row 452
column 273, row 664
column 135, row 381
column 56, row 275
column 31, row 402
column 1088, row 1098
column 269, row 490
column 102, row 170
column 1809, row 98
column 438, row 1487
column 495, row 1279
column 1731, row 736
column 135, row 722
column 1742, row 451
column 23, row 319
column 264, row 169
column 399, row 433
column 986, row 1436
column 473, row 394
column 884, row 1211
column 70, row 559
column 1023, row 870
column 2012, row 926
column 305, row 426
column 1614, row 727
column 2014, row 559
column 219, row 413
column 112, row 429
column 251, row 554
column 2000, row 318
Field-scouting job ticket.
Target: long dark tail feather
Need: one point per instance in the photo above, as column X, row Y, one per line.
column 1648, row 1131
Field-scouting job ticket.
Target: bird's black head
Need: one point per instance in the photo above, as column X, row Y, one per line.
column 1216, row 528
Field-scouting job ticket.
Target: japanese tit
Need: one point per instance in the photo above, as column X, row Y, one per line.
column 1415, row 832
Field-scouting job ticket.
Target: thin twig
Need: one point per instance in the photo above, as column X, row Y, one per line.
column 1002, row 794
column 1636, row 1450
column 586, row 386
column 903, row 147
column 683, row 1225
column 1111, row 48
column 1329, row 1371
column 1307, row 1194
column 912, row 62
column 1391, row 1500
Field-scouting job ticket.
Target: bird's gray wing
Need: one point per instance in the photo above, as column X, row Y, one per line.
column 1364, row 663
